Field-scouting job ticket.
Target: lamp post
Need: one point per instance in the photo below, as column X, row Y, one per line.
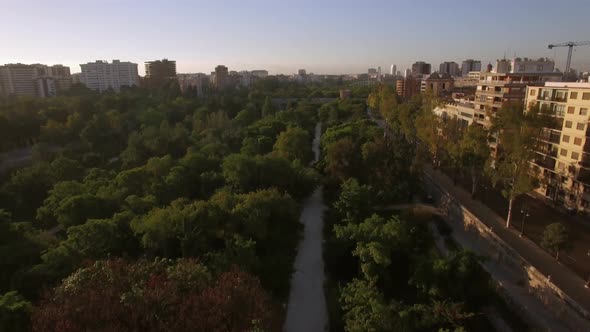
column 525, row 213
column 587, row 285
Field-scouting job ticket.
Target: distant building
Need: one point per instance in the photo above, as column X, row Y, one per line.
column 470, row 65
column 221, row 77
column 102, row 76
column 158, row 72
column 525, row 65
column 451, row 68
column 439, row 84
column 393, row 70
column 301, row 72
column 34, row 80
column 195, row 82
column 407, row 87
column 421, row 68
column 260, row 73
column 345, row 93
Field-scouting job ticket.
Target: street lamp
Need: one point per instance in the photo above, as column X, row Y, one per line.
column 525, row 213
column 588, row 281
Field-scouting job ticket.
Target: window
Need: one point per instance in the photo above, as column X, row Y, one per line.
column 573, row 95
column 575, row 155
column 583, row 111
column 568, row 124
column 532, row 92
column 580, row 126
column 571, row 110
column 540, row 68
column 563, row 152
column 586, row 96
column 566, row 138
column 577, row 141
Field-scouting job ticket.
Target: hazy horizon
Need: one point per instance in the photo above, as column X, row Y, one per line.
column 331, row 37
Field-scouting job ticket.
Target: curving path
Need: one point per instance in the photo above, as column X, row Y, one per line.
column 307, row 304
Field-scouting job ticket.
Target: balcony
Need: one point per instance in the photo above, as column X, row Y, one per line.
column 583, row 176
column 550, row 136
column 544, row 161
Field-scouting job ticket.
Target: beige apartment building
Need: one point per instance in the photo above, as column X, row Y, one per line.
column 564, row 154
column 508, row 82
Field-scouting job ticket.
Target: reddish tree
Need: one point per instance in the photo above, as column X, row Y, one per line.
column 156, row 296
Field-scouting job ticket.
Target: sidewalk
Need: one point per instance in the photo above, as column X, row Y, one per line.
column 562, row 277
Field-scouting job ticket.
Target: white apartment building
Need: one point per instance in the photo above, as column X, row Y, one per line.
column 564, row 154
column 101, row 75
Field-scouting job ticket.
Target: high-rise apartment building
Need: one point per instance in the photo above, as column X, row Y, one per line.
column 470, row 65
column 101, row 75
column 563, row 155
column 451, row 68
column 198, row 82
column 508, row 82
column 221, row 77
column 421, row 68
column 393, row 70
column 18, row 79
column 34, row 80
column 159, row 72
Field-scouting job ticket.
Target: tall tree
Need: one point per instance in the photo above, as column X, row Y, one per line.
column 474, row 151
column 517, row 137
column 555, row 238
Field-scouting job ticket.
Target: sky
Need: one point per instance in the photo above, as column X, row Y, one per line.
column 281, row 36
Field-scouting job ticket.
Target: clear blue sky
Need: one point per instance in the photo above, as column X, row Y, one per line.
column 322, row 36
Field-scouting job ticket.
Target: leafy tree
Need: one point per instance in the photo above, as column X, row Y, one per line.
column 474, row 152
column 267, row 107
column 155, row 296
column 14, row 312
column 355, row 201
column 343, row 159
column 555, row 238
column 294, row 143
column 365, row 309
column 517, row 134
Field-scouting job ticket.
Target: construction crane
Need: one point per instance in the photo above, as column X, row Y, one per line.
column 570, row 45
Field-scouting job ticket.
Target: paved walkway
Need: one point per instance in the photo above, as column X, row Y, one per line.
column 562, row 277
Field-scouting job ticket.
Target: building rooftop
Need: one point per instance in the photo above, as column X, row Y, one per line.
column 577, row 85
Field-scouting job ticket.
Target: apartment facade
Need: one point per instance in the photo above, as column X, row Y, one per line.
column 470, row 65
column 438, row 84
column 564, row 153
column 451, row 68
column 34, row 80
column 421, row 68
column 508, row 83
column 102, row 76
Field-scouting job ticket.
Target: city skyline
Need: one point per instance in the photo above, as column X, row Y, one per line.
column 328, row 38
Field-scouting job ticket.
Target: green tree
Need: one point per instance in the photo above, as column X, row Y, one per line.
column 555, row 238
column 267, row 107
column 14, row 312
column 517, row 135
column 355, row 201
column 294, row 143
column 474, row 151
